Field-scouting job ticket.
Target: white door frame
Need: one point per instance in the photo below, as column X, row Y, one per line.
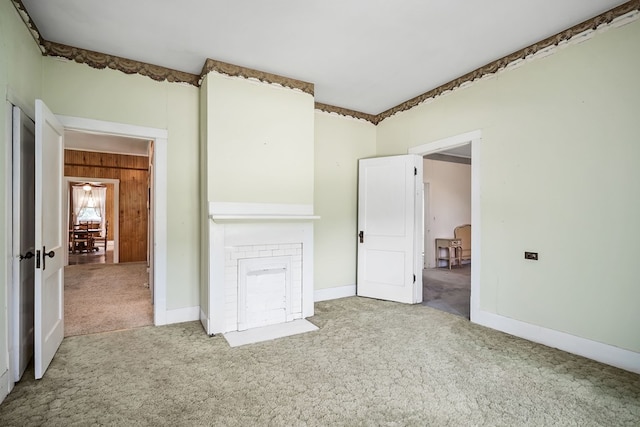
column 475, row 138
column 116, row 210
column 160, row 138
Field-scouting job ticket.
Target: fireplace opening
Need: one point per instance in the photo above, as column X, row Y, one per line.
column 265, row 282
column 264, row 292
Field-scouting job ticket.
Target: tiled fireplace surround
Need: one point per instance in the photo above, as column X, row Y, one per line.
column 254, row 251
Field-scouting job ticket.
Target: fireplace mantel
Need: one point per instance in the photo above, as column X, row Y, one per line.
column 254, row 210
column 254, row 230
column 253, row 217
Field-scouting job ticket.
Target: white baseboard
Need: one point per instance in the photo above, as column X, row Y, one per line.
column 604, row 353
column 180, row 315
column 5, row 387
column 334, row 293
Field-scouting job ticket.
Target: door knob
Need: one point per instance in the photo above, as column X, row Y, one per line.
column 28, row 255
column 46, row 254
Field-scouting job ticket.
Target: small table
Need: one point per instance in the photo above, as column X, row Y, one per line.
column 453, row 249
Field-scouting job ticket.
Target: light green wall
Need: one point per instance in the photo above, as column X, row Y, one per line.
column 260, row 142
column 20, row 74
column 560, row 176
column 339, row 143
column 77, row 90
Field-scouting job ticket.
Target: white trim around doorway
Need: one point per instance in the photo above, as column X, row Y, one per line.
column 474, row 138
column 160, row 138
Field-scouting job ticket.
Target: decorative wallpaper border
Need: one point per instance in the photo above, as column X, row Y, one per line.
column 493, row 67
column 239, row 71
column 31, row 26
column 345, row 112
column 127, row 66
column 100, row 60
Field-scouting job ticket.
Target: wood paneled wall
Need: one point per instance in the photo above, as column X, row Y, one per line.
column 133, row 173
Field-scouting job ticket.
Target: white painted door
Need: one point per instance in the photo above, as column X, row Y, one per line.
column 389, row 225
column 49, row 238
column 23, row 241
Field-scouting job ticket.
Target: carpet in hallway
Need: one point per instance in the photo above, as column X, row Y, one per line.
column 448, row 290
column 106, row 297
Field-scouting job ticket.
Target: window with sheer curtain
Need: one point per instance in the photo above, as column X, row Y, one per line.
column 89, row 204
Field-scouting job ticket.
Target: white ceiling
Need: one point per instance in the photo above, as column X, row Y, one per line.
column 74, row 140
column 463, row 151
column 365, row 55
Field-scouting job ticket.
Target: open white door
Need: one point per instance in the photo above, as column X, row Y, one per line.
column 389, row 213
column 23, row 241
column 49, row 239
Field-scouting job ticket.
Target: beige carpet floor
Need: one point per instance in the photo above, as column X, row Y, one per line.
column 371, row 363
column 106, row 297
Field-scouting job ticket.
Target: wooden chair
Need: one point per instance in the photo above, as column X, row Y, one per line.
column 81, row 239
column 463, row 232
column 103, row 236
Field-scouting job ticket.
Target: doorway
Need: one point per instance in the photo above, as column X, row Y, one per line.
column 118, row 294
column 460, row 284
column 157, row 205
column 104, row 249
column 157, row 198
column 446, row 274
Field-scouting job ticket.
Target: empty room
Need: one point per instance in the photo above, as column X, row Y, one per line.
column 306, row 169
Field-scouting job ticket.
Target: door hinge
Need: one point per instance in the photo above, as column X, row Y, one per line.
column 415, row 171
column 38, row 259
column 414, row 278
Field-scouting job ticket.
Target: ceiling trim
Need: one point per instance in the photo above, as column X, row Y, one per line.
column 128, row 66
column 345, row 112
column 493, row 67
column 233, row 70
column 31, row 26
column 101, row 60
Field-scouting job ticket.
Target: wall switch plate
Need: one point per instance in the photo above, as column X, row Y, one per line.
column 531, row 255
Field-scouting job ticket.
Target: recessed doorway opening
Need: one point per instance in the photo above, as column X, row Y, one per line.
column 107, row 274
column 447, row 225
column 93, row 220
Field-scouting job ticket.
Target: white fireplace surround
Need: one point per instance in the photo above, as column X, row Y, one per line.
column 278, row 237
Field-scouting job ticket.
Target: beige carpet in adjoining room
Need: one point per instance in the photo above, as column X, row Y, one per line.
column 106, row 297
column 371, row 363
